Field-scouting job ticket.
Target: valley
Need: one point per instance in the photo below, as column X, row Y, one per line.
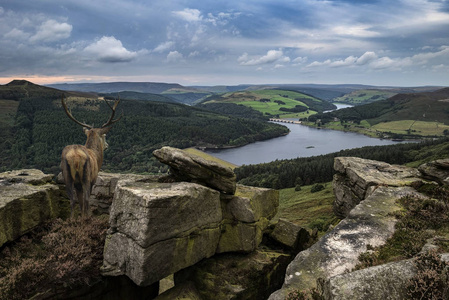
column 223, row 117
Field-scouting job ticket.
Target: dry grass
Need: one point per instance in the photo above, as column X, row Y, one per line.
column 62, row 254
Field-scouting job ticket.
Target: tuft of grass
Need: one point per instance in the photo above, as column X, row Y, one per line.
column 61, row 254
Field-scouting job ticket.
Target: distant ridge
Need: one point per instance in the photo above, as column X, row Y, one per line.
column 115, row 87
column 322, row 91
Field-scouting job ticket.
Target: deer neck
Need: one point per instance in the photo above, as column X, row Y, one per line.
column 95, row 144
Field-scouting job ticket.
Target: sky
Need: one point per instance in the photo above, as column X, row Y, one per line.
column 197, row 42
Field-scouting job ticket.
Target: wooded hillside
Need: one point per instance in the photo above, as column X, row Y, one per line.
column 40, row 129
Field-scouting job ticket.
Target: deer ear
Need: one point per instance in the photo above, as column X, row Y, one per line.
column 85, row 130
column 105, row 130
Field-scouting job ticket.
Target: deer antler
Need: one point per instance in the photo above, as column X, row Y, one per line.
column 69, row 114
column 111, row 121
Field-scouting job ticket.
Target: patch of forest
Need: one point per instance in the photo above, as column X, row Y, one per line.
column 42, row 129
column 236, row 110
column 130, row 95
column 289, row 173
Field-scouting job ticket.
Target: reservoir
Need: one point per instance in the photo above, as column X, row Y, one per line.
column 302, row 141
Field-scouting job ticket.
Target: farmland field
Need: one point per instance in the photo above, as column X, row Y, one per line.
column 416, row 127
column 270, row 101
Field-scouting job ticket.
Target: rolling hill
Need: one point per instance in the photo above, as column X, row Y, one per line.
column 274, row 102
column 35, row 128
column 115, row 87
column 327, row 92
column 365, row 96
column 172, row 91
column 401, row 116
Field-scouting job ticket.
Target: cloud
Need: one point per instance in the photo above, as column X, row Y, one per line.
column 348, row 61
column 174, row 56
column 189, row 15
column 51, row 31
column 360, row 31
column 164, row 46
column 109, row 49
column 367, row 57
column 221, row 18
column 373, row 61
column 299, row 60
column 17, row 34
column 271, row 57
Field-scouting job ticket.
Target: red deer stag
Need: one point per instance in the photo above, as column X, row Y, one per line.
column 80, row 164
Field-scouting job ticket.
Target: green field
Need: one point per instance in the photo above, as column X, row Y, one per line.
column 310, row 210
column 265, row 102
column 284, row 94
column 300, row 115
column 271, row 107
column 408, row 128
column 412, row 127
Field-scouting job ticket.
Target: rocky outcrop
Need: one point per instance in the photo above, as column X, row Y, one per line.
column 388, row 281
column 27, row 199
column 369, row 223
column 100, row 199
column 366, row 192
column 437, row 170
column 245, row 216
column 356, row 178
column 189, row 167
column 290, row 235
column 233, row 276
column 160, row 228
column 183, row 291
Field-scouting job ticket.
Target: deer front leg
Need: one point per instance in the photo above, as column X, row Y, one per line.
column 86, row 210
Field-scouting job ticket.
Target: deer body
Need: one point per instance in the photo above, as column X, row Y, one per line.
column 80, row 164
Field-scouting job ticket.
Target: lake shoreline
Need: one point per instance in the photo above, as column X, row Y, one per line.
column 302, row 141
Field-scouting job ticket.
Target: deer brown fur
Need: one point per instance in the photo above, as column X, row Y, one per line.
column 80, row 164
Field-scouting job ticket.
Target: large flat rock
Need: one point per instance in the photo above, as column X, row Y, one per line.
column 27, row 199
column 158, row 229
column 370, row 223
column 388, row 281
column 356, row 177
column 190, row 167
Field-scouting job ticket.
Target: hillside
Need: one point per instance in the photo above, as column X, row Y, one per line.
column 36, row 129
column 364, row 96
column 274, row 102
column 114, row 87
column 329, row 92
column 402, row 116
column 179, row 93
column 129, row 95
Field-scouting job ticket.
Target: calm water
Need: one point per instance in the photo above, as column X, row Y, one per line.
column 302, row 141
